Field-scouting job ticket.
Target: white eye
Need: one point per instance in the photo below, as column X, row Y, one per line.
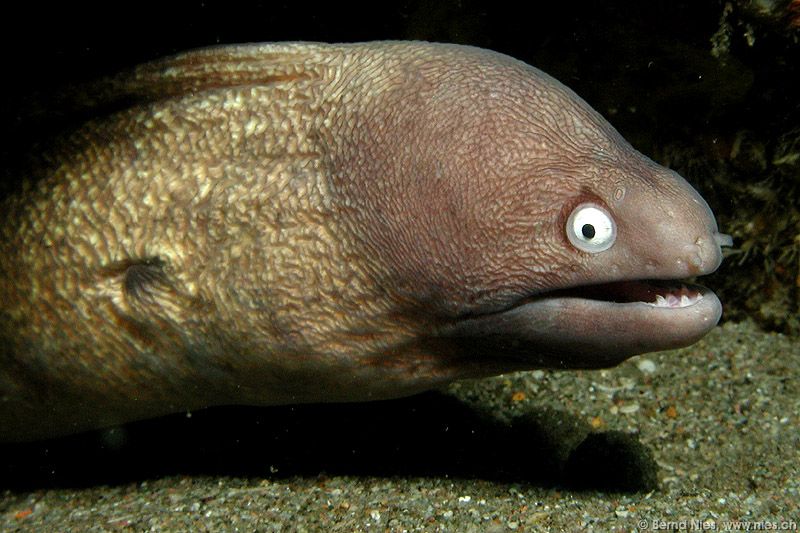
column 590, row 228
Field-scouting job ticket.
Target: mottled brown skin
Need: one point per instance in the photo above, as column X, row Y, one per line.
column 300, row 222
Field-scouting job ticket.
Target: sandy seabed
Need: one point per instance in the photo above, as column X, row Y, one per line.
column 703, row 438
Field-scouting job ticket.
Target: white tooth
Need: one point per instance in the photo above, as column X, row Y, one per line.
column 660, row 300
column 673, row 300
column 685, row 301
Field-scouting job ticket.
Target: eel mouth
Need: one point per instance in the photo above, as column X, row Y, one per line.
column 593, row 326
column 657, row 293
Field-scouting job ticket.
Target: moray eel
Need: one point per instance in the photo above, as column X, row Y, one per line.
column 287, row 223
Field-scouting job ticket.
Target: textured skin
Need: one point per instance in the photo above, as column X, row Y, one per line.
column 296, row 223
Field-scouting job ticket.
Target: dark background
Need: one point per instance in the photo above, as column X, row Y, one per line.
column 640, row 63
column 652, row 60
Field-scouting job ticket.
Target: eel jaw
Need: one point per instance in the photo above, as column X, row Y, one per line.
column 590, row 327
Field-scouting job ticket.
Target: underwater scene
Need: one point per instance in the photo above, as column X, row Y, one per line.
column 427, row 266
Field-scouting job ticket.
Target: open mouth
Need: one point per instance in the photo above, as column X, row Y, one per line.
column 592, row 326
column 657, row 293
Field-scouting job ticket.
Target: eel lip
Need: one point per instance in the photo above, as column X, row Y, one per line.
column 592, row 326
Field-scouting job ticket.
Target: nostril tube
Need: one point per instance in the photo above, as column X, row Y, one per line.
column 723, row 239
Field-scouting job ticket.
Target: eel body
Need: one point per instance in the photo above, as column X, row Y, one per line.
column 281, row 223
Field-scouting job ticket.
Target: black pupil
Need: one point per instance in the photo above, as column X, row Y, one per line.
column 588, row 231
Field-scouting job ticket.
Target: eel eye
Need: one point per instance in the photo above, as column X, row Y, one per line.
column 590, row 228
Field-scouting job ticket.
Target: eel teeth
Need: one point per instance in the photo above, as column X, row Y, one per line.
column 683, row 297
